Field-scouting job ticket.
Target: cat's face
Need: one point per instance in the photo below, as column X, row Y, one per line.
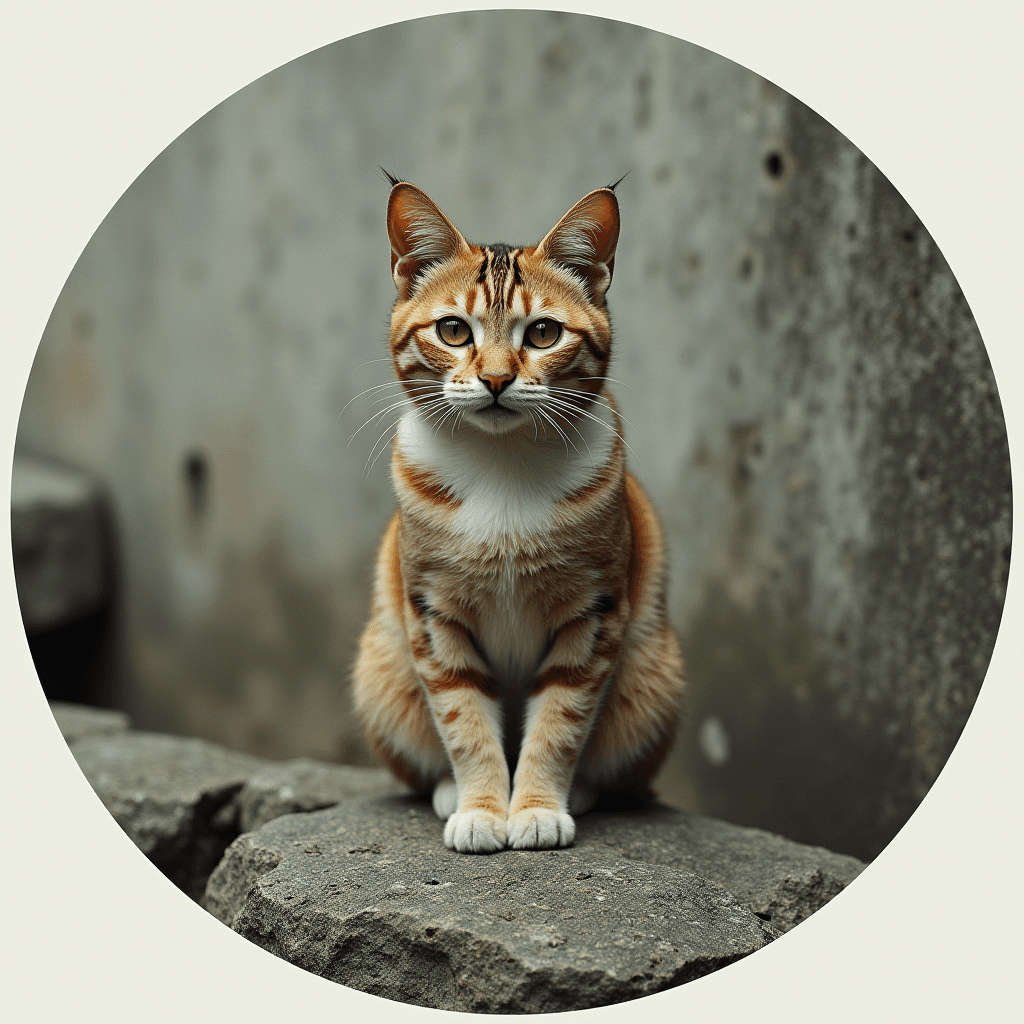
column 501, row 338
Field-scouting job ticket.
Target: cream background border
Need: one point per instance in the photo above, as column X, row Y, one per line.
column 92, row 92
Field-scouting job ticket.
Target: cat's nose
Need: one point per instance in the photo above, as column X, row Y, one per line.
column 497, row 381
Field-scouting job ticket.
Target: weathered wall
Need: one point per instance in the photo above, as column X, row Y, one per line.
column 810, row 399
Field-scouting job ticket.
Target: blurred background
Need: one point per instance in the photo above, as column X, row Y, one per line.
column 812, row 403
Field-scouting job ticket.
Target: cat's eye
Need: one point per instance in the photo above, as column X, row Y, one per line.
column 543, row 333
column 453, row 331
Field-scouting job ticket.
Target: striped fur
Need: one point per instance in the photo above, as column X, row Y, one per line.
column 518, row 658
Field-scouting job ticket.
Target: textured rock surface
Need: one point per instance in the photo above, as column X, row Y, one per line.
column 57, row 537
column 173, row 796
column 365, row 894
column 778, row 879
column 76, row 721
column 305, row 785
column 183, row 800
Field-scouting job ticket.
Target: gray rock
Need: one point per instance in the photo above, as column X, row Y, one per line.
column 365, row 894
column 781, row 881
column 57, row 536
column 76, row 721
column 173, row 796
column 182, row 801
column 304, row 785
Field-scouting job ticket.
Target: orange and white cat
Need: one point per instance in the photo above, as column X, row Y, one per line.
column 518, row 659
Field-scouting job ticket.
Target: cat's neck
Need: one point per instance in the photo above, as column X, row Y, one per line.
column 509, row 485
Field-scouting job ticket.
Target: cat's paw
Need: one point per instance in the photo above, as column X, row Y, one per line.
column 446, row 798
column 474, row 832
column 539, row 829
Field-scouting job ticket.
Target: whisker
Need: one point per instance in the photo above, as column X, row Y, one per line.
column 565, row 438
column 595, row 398
column 384, row 412
column 613, row 380
column 451, row 411
column 433, row 408
column 577, row 429
column 409, row 391
column 377, row 416
column 583, row 412
column 439, row 403
column 366, row 472
column 387, row 384
column 376, row 387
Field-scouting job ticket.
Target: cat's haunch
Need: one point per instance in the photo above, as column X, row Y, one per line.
column 518, row 659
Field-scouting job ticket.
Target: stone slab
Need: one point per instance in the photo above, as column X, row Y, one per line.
column 172, row 795
column 183, row 800
column 365, row 894
column 303, row 785
column 781, row 880
column 77, row 721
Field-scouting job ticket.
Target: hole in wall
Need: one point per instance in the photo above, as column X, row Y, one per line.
column 774, row 164
column 196, row 472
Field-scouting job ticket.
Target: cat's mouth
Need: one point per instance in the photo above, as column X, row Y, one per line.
column 497, row 409
column 497, row 418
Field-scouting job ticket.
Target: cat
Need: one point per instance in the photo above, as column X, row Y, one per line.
column 518, row 659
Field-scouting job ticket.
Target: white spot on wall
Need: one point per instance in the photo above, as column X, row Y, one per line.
column 714, row 741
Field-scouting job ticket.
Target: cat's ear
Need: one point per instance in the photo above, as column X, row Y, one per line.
column 420, row 235
column 584, row 240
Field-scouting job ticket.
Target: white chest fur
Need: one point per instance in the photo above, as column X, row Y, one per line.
column 507, row 485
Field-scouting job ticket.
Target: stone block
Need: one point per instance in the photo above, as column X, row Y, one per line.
column 305, row 785
column 366, row 895
column 76, row 721
column 57, row 536
column 173, row 796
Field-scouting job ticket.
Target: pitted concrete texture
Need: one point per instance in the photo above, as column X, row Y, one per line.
column 365, row 894
column 781, row 881
column 291, row 787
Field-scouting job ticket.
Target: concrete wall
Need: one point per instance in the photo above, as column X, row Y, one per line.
column 809, row 395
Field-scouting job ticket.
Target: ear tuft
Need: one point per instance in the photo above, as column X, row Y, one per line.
column 420, row 234
column 388, row 176
column 584, row 241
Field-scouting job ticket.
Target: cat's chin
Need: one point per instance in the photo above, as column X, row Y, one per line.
column 496, row 419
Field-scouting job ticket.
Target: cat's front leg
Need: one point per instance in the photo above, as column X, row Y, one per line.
column 467, row 717
column 560, row 715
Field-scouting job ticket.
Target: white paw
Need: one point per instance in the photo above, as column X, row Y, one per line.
column 474, row 832
column 446, row 798
column 581, row 798
column 540, row 829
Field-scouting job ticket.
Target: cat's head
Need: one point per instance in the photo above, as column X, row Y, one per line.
column 500, row 337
